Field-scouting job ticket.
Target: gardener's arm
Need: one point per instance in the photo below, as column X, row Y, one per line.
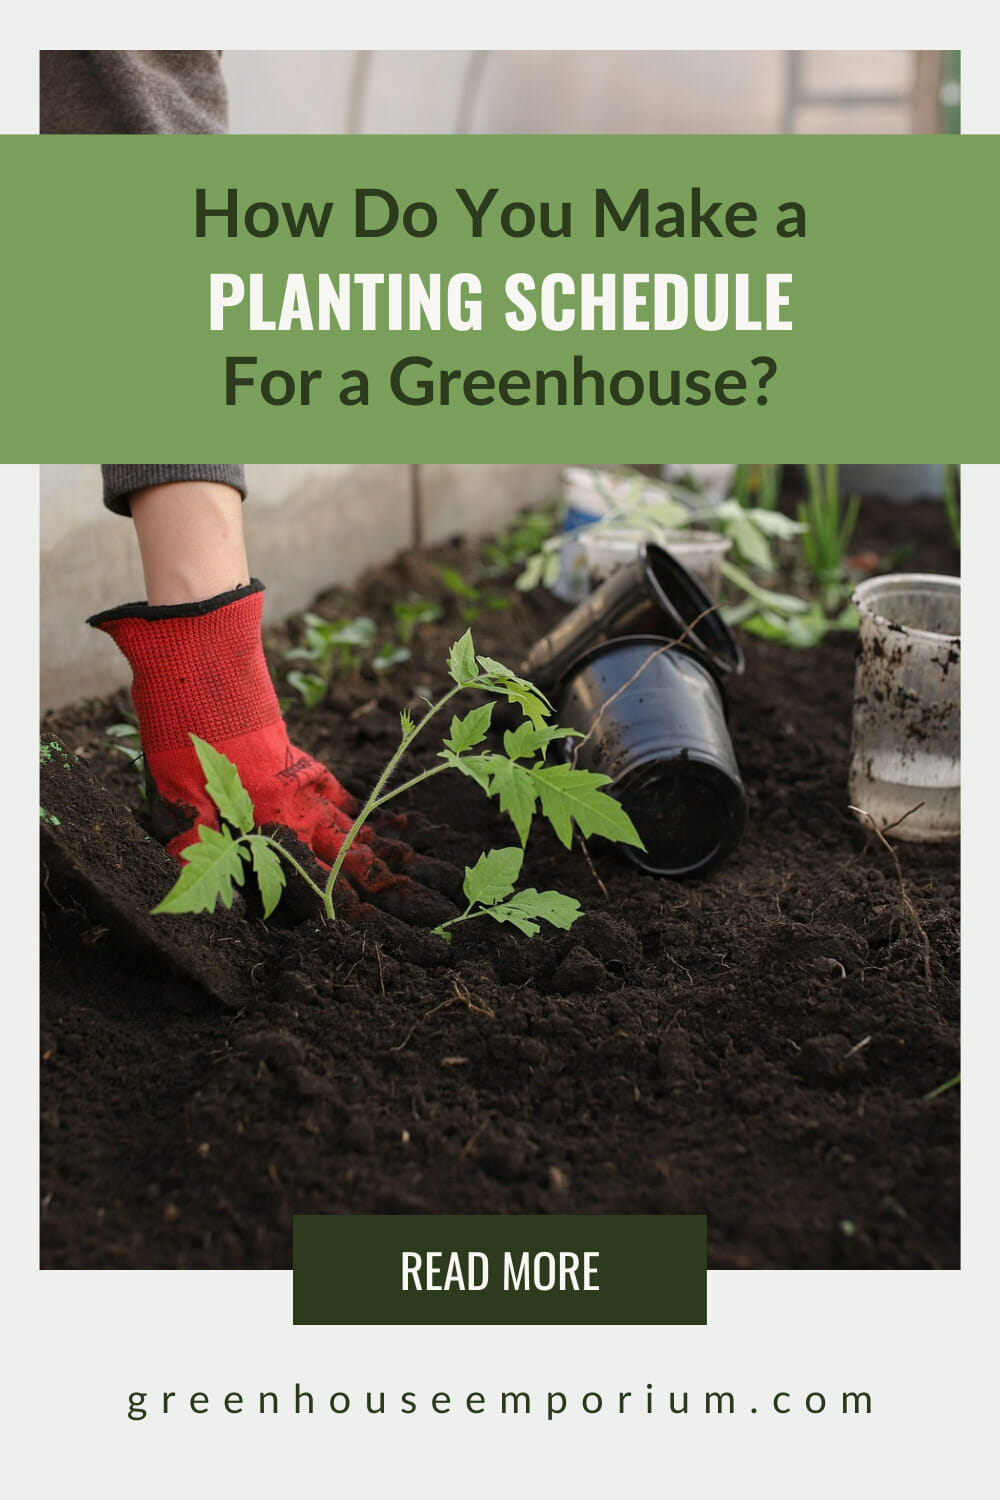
column 198, row 667
column 131, row 93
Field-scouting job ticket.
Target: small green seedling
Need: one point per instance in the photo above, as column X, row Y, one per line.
column 489, row 890
column 411, row 613
column 520, row 779
column 470, row 598
column 333, row 647
column 526, row 534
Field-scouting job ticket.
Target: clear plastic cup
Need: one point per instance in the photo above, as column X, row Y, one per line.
column 905, row 743
column 606, row 548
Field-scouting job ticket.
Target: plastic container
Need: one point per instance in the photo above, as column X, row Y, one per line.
column 905, row 746
column 606, row 548
column 652, row 595
column 654, row 720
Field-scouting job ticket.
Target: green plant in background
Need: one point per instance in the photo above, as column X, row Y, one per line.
column 520, row 779
column 471, row 599
column 334, row 647
column 829, row 524
column 409, row 614
column 525, row 536
column 125, row 739
column 757, row 486
column 951, row 507
column 412, row 612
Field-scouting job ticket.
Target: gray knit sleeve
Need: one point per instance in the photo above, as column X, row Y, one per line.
column 132, row 93
column 122, row 480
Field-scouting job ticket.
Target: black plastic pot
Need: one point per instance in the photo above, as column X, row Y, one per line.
column 654, row 720
column 655, row 595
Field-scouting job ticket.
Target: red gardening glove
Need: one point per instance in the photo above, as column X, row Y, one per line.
column 200, row 669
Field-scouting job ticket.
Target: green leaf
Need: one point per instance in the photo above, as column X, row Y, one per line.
column 388, row 656
column 775, row 523
column 359, row 632
column 476, row 767
column 748, row 541
column 526, row 908
column 500, row 679
column 513, row 787
column 223, row 785
column 309, row 686
column 406, row 722
column 456, row 584
column 462, row 660
column 531, row 575
column 212, row 865
column 493, row 876
column 786, row 604
column 526, row 740
column 470, row 730
column 569, row 795
column 269, row 872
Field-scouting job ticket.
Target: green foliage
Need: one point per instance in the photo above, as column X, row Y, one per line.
column 519, row 778
column 520, row 540
column 125, row 738
column 489, row 888
column 412, row 612
column 338, row 648
column 470, row 599
column 829, row 524
column 757, row 486
column 333, row 648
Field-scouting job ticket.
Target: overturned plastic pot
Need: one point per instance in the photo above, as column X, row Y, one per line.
column 653, row 718
column 653, row 595
column 905, row 771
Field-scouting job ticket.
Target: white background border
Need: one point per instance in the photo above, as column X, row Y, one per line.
column 77, row 1343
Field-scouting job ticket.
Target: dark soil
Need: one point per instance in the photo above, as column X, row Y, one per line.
column 755, row 1044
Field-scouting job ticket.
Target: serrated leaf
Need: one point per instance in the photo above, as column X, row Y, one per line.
column 569, row 795
column 223, row 785
column 526, row 908
column 471, row 730
column 493, row 876
column 406, row 722
column 462, row 660
column 527, row 740
column 211, row 867
column 474, row 766
column 269, row 872
column 512, row 785
column 500, row 679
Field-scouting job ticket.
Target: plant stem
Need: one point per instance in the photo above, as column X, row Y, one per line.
column 324, row 895
column 407, row 786
column 375, row 795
